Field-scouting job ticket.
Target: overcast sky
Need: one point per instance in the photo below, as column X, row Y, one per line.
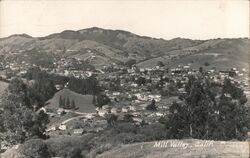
column 195, row 19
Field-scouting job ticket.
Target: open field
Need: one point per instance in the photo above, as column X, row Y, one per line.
column 84, row 102
column 188, row 148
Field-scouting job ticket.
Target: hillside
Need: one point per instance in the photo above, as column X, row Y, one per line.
column 102, row 47
column 3, row 86
column 219, row 53
column 181, row 148
column 84, row 102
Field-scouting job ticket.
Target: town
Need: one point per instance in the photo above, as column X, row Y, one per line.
column 138, row 95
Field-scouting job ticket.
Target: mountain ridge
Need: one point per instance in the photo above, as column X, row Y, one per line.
column 118, row 46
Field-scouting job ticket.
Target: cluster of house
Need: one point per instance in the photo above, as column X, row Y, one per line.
column 130, row 97
column 95, row 122
column 124, row 86
column 69, row 67
column 14, row 68
column 61, row 66
column 89, row 123
column 137, row 111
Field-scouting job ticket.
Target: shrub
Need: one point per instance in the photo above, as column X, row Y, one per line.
column 34, row 148
column 69, row 147
column 206, row 64
column 127, row 138
column 154, row 131
column 126, row 127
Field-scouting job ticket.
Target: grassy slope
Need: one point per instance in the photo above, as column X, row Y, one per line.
column 84, row 102
column 219, row 149
column 220, row 53
column 3, row 86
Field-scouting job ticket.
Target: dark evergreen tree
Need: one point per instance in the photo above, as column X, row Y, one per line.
column 73, row 104
column 67, row 105
column 102, row 99
column 152, row 106
column 63, row 102
column 60, row 102
column 128, row 118
column 94, row 100
column 111, row 119
column 160, row 64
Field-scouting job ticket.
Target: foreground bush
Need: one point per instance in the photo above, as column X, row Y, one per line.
column 34, row 148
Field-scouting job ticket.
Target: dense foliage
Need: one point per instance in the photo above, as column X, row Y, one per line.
column 19, row 118
column 84, row 86
column 42, row 85
column 209, row 111
column 34, row 148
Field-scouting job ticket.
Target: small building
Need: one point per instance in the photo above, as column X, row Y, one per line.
column 159, row 114
column 89, row 116
column 125, row 109
column 137, row 119
column 60, row 111
column 78, row 131
column 114, row 110
column 58, row 87
column 102, row 112
column 105, row 107
column 186, row 67
column 131, row 108
column 53, row 128
column 62, row 127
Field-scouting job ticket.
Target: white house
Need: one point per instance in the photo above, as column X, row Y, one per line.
column 114, row 110
column 105, row 107
column 78, row 131
column 137, row 119
column 102, row 112
column 60, row 111
column 62, row 127
column 159, row 114
column 53, row 128
column 89, row 116
column 124, row 109
column 131, row 108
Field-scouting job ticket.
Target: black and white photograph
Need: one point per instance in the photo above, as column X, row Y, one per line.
column 124, row 79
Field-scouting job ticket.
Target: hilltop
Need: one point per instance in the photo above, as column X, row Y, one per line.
column 103, row 47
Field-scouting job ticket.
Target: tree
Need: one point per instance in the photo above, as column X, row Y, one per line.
column 34, row 148
column 94, row 100
column 160, row 64
column 232, row 112
column 141, row 81
column 170, row 89
column 63, row 102
column 111, row 119
column 73, row 105
column 206, row 64
column 20, row 120
column 60, row 102
column 152, row 106
column 102, row 99
column 130, row 63
column 67, row 105
column 204, row 115
column 201, row 69
column 128, row 118
column 84, row 86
